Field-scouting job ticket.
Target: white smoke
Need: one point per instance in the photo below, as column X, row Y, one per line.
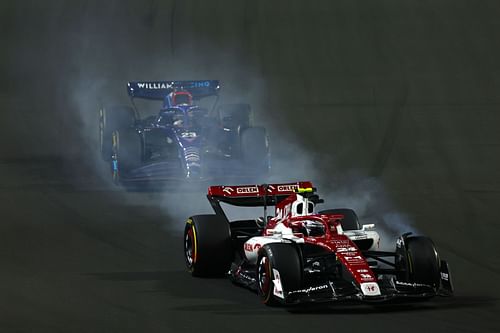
column 291, row 161
column 353, row 189
column 101, row 79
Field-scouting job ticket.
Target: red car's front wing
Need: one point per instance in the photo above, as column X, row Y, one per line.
column 338, row 291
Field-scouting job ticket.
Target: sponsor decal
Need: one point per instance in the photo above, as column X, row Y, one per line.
column 362, row 270
column 445, row 276
column 201, row 84
column 245, row 276
column 342, row 243
column 251, row 248
column 414, row 285
column 347, row 249
column 278, row 289
column 282, row 213
column 370, row 289
column 354, row 258
column 154, row 85
column 244, row 190
column 228, row 190
column 270, row 189
column 350, row 254
column 287, row 188
column 311, row 289
column 366, row 277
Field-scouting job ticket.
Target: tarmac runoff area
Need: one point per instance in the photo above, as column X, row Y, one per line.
column 391, row 108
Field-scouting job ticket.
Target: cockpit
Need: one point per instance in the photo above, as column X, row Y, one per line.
column 169, row 116
column 179, row 118
column 308, row 228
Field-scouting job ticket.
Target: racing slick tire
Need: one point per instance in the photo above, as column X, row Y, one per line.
column 279, row 270
column 207, row 246
column 112, row 119
column 127, row 152
column 350, row 220
column 255, row 148
column 419, row 262
column 235, row 116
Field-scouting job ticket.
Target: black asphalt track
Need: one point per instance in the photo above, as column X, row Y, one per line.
column 391, row 107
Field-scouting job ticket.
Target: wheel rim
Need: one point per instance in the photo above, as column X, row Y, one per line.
column 190, row 247
column 264, row 276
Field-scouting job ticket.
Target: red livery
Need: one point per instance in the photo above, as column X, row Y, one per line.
column 256, row 190
column 302, row 255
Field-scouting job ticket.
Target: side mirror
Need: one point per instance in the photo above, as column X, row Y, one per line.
column 368, row 227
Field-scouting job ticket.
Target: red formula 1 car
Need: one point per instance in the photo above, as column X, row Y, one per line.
column 300, row 255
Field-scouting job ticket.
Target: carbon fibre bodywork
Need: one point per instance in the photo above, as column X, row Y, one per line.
column 186, row 142
column 337, row 260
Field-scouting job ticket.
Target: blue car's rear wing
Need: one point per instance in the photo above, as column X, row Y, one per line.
column 159, row 89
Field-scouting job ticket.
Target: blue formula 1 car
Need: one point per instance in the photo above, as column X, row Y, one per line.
column 182, row 139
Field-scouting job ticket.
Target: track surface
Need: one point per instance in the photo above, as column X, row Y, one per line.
column 391, row 106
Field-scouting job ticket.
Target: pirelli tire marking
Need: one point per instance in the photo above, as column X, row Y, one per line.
column 115, row 145
column 191, row 246
column 264, row 278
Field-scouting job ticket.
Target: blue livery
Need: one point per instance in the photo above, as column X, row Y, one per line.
column 183, row 140
column 160, row 89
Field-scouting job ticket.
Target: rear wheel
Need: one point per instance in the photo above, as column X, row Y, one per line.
column 255, row 148
column 112, row 119
column 235, row 116
column 207, row 246
column 279, row 270
column 420, row 262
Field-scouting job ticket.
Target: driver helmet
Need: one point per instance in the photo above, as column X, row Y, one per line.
column 182, row 98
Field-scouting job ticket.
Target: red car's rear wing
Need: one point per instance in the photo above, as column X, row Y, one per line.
column 254, row 195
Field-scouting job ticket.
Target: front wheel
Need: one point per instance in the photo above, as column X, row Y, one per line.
column 279, row 270
column 112, row 119
column 419, row 262
column 127, row 149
